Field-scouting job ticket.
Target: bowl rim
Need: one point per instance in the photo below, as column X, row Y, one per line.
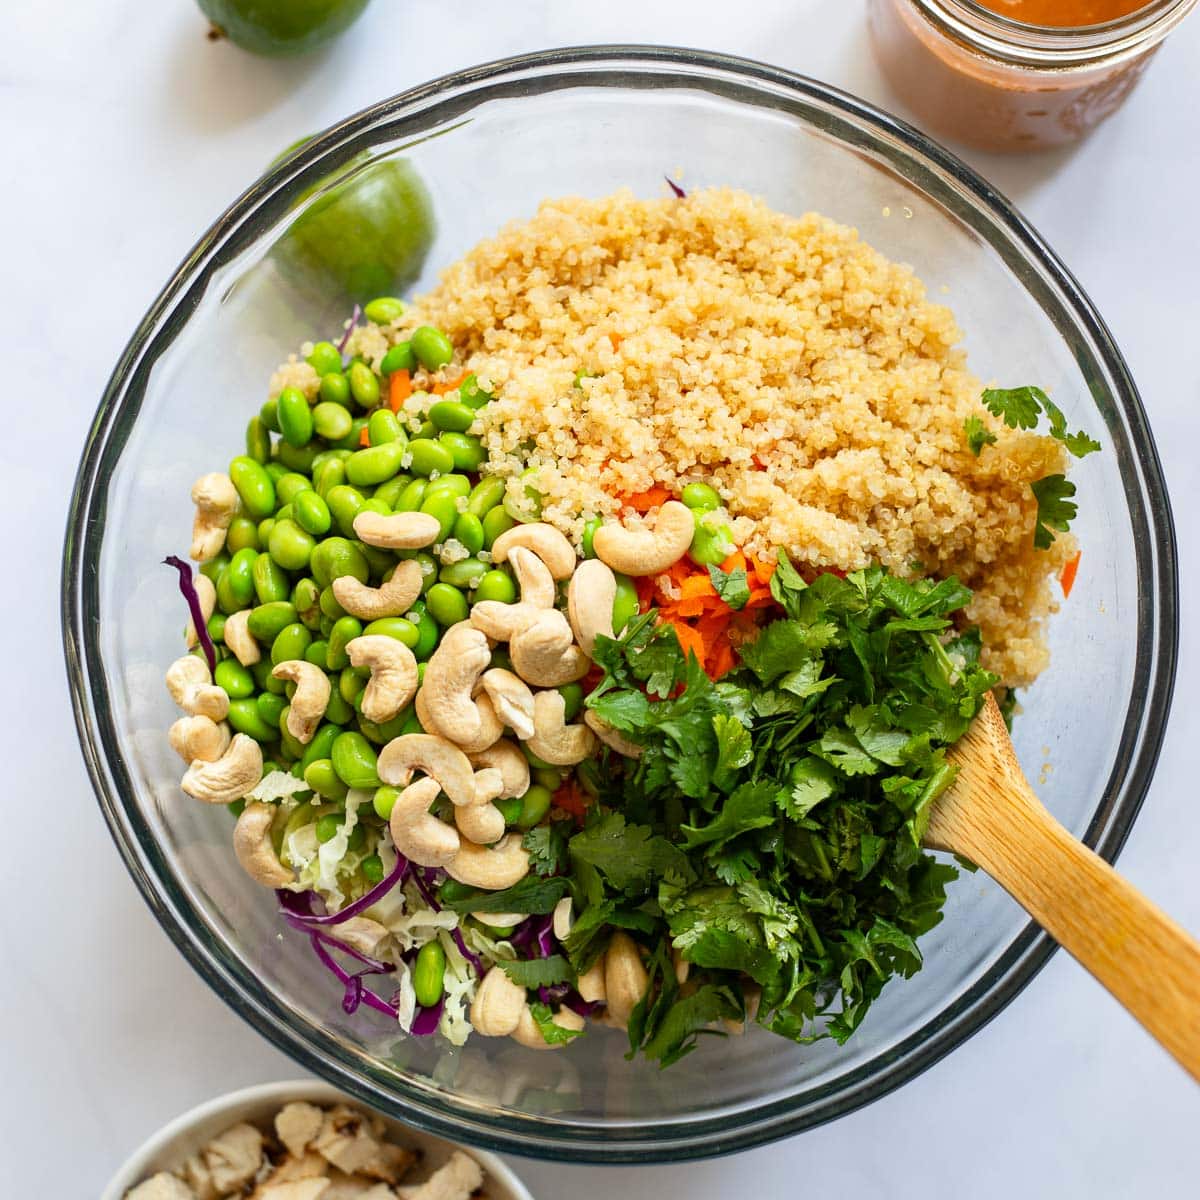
column 705, row 1136
column 280, row 1092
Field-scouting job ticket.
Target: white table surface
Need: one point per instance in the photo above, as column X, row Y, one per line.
column 124, row 134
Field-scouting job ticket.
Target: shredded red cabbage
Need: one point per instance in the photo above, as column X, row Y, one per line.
column 577, row 1004
column 473, row 959
column 289, row 900
column 546, row 941
column 188, row 588
column 377, row 966
column 356, row 992
column 679, row 192
column 423, row 886
column 355, row 317
column 426, row 1020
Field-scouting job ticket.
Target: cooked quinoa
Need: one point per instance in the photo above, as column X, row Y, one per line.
column 781, row 359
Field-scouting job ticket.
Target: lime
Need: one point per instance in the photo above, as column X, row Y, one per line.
column 281, row 27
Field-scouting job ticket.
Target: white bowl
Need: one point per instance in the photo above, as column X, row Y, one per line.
column 167, row 1148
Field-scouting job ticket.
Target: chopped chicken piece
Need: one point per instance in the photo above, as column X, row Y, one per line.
column 297, row 1189
column 354, row 1187
column 234, row 1157
column 161, row 1187
column 307, row 1166
column 199, row 1178
column 456, row 1179
column 347, row 1142
column 297, row 1124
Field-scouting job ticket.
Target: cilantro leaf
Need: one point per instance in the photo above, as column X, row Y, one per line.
column 783, row 645
column 734, row 750
column 687, row 1020
column 812, row 781
column 978, row 435
column 1055, row 509
column 547, row 846
column 630, row 857
column 1018, row 408
column 531, row 895
column 552, row 1034
column 751, row 806
column 538, row 972
column 731, row 586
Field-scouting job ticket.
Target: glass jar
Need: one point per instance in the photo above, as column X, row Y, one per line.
column 1003, row 85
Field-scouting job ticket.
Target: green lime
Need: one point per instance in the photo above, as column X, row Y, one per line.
column 281, row 27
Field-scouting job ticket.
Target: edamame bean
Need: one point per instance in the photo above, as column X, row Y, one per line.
column 290, row 546
column 235, row 588
column 429, row 973
column 452, row 416
column 382, row 734
column 344, row 503
column 338, row 710
column 244, row 718
column 265, row 680
column 216, row 627
column 510, row 809
column 305, row 597
column 270, row 707
column 331, row 420
column 290, row 643
column 447, row 605
column 264, row 530
column 329, row 605
column 529, row 507
column 388, row 493
column 258, row 441
column 429, row 456
column 532, row 758
column 467, row 450
column 355, row 761
column 625, row 603
column 344, row 630
column 282, row 514
column 335, row 389
column 294, row 416
column 712, row 544
column 384, row 801
column 700, row 497
column 288, row 487
column 426, row 430
column 321, row 745
column 379, row 561
column 335, row 557
column 291, row 746
column 323, row 779
column 451, row 891
column 535, row 804
column 485, row 495
column 472, row 395
column 468, row 531
column 496, row 585
column 372, row 868
column 466, row 573
column 241, row 534
column 318, row 654
column 412, row 497
column 429, row 569
column 413, row 724
column 269, row 416
column 253, row 485
column 550, row 778
column 276, row 470
column 443, row 507
column 312, row 513
column 428, row 636
column 399, row 358
column 383, row 310
column 353, row 440
column 589, row 532
column 572, row 695
column 382, row 427
column 328, row 827
column 454, row 484
column 297, row 458
column 270, row 580
column 375, row 464
column 325, row 357
column 400, row 628
column 234, row 678
column 364, row 385
column 213, row 568
column 432, row 347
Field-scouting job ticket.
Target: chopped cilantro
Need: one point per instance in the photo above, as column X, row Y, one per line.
column 731, row 586
column 552, row 1034
column 978, row 435
column 538, row 972
column 1055, row 508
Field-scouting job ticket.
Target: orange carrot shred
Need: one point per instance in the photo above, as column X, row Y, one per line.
column 448, row 385
column 690, row 641
column 762, row 570
column 616, row 339
column 399, row 390
column 735, row 562
column 570, row 798
column 1069, row 571
column 643, row 502
column 364, row 437
column 695, row 586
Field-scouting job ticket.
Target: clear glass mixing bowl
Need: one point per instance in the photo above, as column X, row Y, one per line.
column 490, row 143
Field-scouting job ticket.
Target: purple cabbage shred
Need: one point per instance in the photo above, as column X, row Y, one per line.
column 472, row 958
column 420, row 878
column 679, row 192
column 426, row 1020
column 356, row 992
column 188, row 588
column 291, row 904
column 355, row 317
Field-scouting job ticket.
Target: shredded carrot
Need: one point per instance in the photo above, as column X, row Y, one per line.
column 762, row 570
column 695, row 586
column 1067, row 578
column 399, row 390
column 364, row 436
column 616, row 340
column 722, row 660
column 643, row 502
column 735, row 562
column 645, row 592
column 448, row 385
column 690, row 641
column 571, row 798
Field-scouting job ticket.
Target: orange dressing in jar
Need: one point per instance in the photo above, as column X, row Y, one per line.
column 1018, row 74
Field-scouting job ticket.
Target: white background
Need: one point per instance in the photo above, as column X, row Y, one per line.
column 123, row 134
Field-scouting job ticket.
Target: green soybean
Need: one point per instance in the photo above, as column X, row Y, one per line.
column 383, row 310
column 335, row 389
column 321, row 745
column 549, row 777
column 443, row 507
column 364, row 384
column 295, row 417
column 466, row 450
column 429, row 973
column 572, row 695
column 244, row 718
column 466, row 572
column 372, row 869
column 711, row 545
column 700, row 497
column 355, row 761
column 625, row 603
column 270, row 707
column 383, row 733
column 235, row 588
column 375, row 464
column 268, row 620
column 323, row 779
column 447, row 605
column 276, row 470
column 328, row 827
column 454, row 484
column 338, row 710
column 236, row 680
column 344, row 631
column 399, row 358
column 264, row 530
column 242, row 533
column 388, row 493
column 510, row 809
column 305, row 599
column 429, row 569
column 468, row 531
column 298, row 458
column 589, row 532
column 529, row 507
column 265, row 680
column 329, row 604
column 451, row 891
column 335, row 557
column 496, row 522
column 535, row 804
column 253, row 485
column 325, row 357
column 428, row 636
column 384, row 801
column 216, row 627
column 485, row 495
column 270, row 580
column 318, row 654
column 496, row 585
column 428, row 457
column 412, row 497
column 290, row 546
column 213, row 568
column 472, row 395
column 427, row 429
column 452, row 416
column 532, row 758
column 258, row 440
column 400, row 628
column 291, row 746
column 379, row 561
column 290, row 643
column 344, row 503
column 330, row 420
column 382, row 427
column 269, row 416
column 432, row 347
column 312, row 514
column 350, row 685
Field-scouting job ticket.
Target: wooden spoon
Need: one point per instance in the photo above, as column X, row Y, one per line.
column 991, row 816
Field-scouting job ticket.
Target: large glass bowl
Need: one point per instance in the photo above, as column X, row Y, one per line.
column 490, row 143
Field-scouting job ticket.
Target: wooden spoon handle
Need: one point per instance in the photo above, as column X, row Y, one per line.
column 1149, row 963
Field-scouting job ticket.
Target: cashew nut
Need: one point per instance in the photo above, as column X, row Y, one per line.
column 481, row 821
column 416, row 832
column 613, row 738
column 310, row 699
column 438, row 758
column 511, row 699
column 590, row 596
column 590, row 985
column 501, row 919
column 495, row 868
column 397, row 531
column 362, row 934
column 391, row 599
column 421, row 708
column 252, row 845
column 625, row 977
column 545, row 541
column 512, row 765
column 229, row 777
column 545, row 655
column 561, row 922
column 500, row 620
column 554, row 740
column 206, row 590
column 394, row 674
column 681, row 966
column 651, row 550
column 199, row 738
column 240, row 640
column 752, row 997
column 216, row 501
column 529, row 1035
column 192, row 688
column 498, row 1004
column 449, row 685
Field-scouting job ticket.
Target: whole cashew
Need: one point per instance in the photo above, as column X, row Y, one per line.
column 512, row 765
column 397, row 531
column 590, row 985
column 438, row 758
column 505, row 863
column 553, row 739
column 206, row 590
column 498, row 1004
column 511, row 699
column 502, row 621
column 216, row 501
column 310, row 700
column 682, row 967
column 561, row 921
column 416, row 832
column 229, row 777
column 421, row 708
column 252, row 845
column 590, row 596
column 192, row 688
column 502, row 919
column 545, row 654
column 647, row 551
column 481, row 821
column 625, row 977
column 199, row 738
column 449, row 686
column 240, row 640
column 362, row 934
column 394, row 674
column 545, row 541
column 529, row 1035
column 391, row 599
column 613, row 738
